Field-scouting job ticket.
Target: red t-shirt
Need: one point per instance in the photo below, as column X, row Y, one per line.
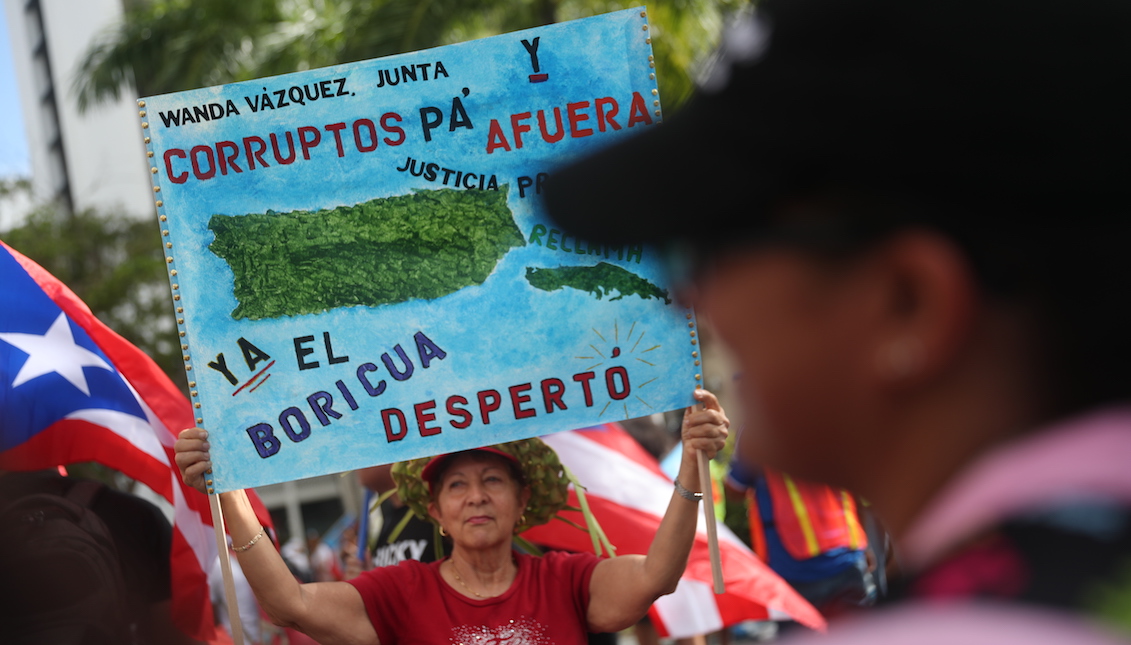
column 545, row 605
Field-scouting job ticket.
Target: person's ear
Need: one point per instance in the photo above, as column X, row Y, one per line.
column 433, row 512
column 928, row 300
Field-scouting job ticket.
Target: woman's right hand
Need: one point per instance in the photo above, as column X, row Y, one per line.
column 193, row 458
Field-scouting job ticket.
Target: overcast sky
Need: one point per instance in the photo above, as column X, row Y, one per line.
column 13, row 143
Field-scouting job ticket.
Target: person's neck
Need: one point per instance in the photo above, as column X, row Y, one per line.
column 485, row 562
column 985, row 400
column 485, row 573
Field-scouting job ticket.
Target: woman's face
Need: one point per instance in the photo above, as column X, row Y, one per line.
column 800, row 331
column 477, row 501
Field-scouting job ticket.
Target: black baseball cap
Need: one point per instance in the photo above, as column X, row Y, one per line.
column 984, row 109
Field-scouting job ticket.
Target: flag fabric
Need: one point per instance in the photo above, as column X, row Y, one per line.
column 628, row 494
column 72, row 390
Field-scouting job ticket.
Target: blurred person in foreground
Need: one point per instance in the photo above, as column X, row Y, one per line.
column 909, row 222
column 484, row 590
column 62, row 591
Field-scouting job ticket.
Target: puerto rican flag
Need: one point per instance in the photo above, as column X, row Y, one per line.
column 629, row 493
column 72, row 390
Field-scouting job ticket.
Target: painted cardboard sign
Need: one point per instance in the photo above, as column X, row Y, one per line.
column 362, row 271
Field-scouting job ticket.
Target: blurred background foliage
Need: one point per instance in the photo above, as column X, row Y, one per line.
column 172, row 45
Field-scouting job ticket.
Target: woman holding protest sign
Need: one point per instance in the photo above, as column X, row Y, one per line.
column 485, row 590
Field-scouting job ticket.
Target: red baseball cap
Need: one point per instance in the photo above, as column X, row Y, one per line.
column 432, row 468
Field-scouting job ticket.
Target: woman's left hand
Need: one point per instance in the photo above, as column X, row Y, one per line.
column 705, row 426
column 623, row 588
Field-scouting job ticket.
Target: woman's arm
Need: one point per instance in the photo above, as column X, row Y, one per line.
column 623, row 588
column 329, row 612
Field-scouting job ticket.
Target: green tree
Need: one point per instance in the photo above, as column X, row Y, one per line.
column 162, row 45
column 14, row 185
column 172, row 45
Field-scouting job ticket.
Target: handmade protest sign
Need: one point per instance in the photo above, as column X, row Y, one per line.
column 362, row 271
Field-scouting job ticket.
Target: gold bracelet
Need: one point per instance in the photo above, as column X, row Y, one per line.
column 686, row 494
column 241, row 549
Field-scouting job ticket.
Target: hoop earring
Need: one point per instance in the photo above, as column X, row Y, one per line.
column 443, row 533
column 521, row 522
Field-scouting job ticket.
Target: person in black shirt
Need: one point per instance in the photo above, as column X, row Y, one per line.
column 417, row 538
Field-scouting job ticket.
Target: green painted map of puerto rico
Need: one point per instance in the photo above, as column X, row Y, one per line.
column 423, row 245
column 600, row 280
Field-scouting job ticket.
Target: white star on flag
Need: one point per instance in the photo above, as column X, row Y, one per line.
column 54, row 351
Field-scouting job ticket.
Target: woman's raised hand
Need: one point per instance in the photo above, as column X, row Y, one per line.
column 705, row 427
column 193, row 458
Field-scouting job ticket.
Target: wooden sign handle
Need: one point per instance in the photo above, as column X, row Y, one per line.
column 226, row 569
column 709, row 516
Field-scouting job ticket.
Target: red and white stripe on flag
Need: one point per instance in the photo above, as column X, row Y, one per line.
column 628, row 494
column 139, row 448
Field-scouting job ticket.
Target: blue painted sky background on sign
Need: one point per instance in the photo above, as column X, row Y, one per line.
column 501, row 334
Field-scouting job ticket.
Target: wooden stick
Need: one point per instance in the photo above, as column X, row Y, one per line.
column 226, row 569
column 709, row 516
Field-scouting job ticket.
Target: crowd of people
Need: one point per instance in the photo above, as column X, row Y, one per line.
column 905, row 221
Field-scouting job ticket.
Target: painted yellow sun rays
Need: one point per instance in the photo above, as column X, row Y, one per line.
column 605, row 350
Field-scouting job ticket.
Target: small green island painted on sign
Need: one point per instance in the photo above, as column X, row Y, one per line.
column 423, row 245
column 600, row 280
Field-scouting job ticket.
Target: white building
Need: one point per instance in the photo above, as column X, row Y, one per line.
column 97, row 160
column 91, row 160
